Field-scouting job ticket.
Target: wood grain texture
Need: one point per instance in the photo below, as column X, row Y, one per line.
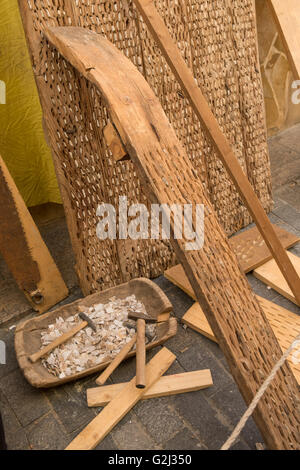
column 224, row 150
column 235, row 316
column 271, row 275
column 285, row 324
column 287, row 17
column 24, row 250
column 166, row 386
column 107, row 419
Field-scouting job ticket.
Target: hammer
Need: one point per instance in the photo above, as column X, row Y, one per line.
column 86, row 321
column 141, row 320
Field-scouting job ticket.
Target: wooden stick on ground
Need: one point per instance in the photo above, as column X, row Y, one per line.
column 100, row 426
column 116, row 362
column 199, row 104
column 165, row 386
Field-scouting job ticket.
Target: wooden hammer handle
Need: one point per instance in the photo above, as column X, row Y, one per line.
column 141, row 354
column 116, row 362
column 57, row 342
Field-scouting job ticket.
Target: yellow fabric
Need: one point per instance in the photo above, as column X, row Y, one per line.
column 22, row 142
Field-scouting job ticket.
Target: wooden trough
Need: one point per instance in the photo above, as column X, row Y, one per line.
column 28, row 334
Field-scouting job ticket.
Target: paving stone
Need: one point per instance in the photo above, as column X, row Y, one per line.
column 27, row 402
column 9, row 419
column 159, row 418
column 163, row 283
column 183, row 440
column 131, row 436
column 285, row 164
column 204, row 343
column 239, row 445
column 196, row 358
column 179, row 343
column 288, row 138
column 71, row 412
column 17, row 441
column 11, row 361
column 230, row 402
column 260, row 288
column 251, row 435
column 289, row 214
column 47, row 434
column 107, row 444
column 290, row 193
column 180, row 300
column 202, row 417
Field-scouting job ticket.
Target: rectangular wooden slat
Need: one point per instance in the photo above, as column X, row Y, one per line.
column 165, row 386
column 100, row 426
column 271, row 275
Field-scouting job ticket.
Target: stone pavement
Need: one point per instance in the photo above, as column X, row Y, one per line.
column 50, row 419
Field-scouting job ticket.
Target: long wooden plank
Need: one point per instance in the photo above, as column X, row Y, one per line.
column 271, row 275
column 167, row 175
column 285, row 324
column 287, row 16
column 166, row 386
column 24, row 250
column 199, row 104
column 250, row 249
column 100, row 426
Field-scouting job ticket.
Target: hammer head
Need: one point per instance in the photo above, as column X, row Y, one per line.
column 142, row 316
column 90, row 323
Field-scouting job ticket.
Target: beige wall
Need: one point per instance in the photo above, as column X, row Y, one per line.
column 276, row 73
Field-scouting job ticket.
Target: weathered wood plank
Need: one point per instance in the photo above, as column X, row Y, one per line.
column 24, row 250
column 166, row 386
column 271, row 275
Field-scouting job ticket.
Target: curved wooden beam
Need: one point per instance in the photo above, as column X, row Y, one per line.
column 228, row 302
